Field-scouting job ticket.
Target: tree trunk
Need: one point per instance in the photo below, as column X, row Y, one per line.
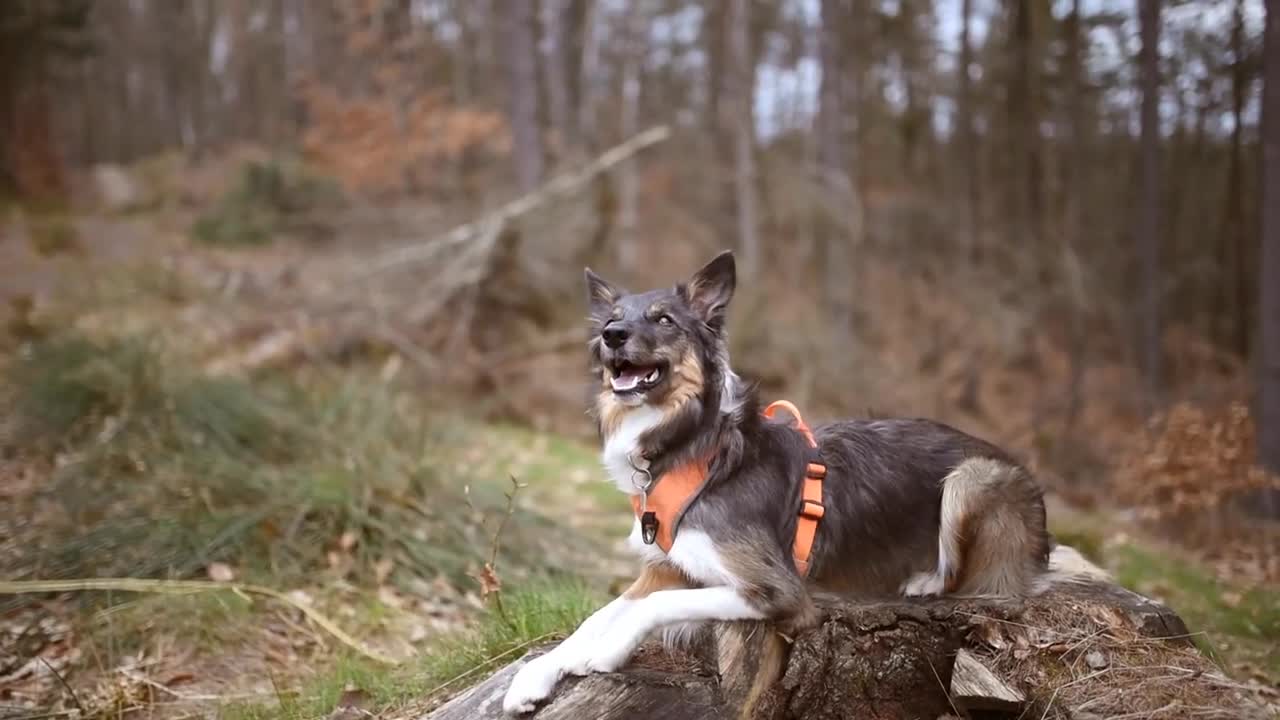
column 1073, row 221
column 1233, row 281
column 841, row 224
column 967, row 137
column 588, row 67
column 741, row 76
column 1149, row 199
column 898, row 659
column 1024, row 130
column 522, row 91
column 628, row 184
column 1269, row 275
column 556, row 71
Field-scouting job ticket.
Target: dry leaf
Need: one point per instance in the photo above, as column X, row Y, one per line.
column 220, row 572
column 489, row 581
column 348, row 540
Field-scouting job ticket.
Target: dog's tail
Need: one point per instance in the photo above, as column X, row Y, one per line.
column 992, row 538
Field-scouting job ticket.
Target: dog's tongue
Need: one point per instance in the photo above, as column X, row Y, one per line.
column 628, row 379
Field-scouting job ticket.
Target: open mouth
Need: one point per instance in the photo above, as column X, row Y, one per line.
column 635, row 378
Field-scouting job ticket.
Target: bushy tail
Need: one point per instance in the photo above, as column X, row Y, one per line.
column 992, row 539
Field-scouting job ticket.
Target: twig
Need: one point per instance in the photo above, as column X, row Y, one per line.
column 63, row 681
column 557, row 187
column 142, row 585
column 491, row 567
column 945, row 690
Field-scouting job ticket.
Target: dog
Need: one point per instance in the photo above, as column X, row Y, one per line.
column 902, row 506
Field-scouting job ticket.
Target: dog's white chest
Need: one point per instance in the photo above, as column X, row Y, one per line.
column 620, row 446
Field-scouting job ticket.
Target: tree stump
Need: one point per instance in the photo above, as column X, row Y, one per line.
column 1079, row 651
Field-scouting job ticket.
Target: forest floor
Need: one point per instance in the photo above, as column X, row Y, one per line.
column 444, row 544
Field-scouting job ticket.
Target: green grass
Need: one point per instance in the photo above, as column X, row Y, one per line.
column 164, row 470
column 1238, row 626
column 450, row 664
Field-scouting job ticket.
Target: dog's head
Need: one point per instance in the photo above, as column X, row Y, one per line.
column 661, row 347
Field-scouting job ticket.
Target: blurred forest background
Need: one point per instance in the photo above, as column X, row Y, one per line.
column 292, row 296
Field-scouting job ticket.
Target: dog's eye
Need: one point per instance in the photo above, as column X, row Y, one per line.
column 664, row 319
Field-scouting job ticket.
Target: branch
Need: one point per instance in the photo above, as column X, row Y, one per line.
column 554, row 189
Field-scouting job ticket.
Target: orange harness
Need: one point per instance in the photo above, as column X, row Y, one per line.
column 660, row 506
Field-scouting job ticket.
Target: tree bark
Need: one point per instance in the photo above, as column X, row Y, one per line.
column 1269, row 275
column 1149, row 202
column 522, row 105
column 895, row 659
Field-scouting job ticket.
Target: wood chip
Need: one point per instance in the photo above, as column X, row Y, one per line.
column 975, row 687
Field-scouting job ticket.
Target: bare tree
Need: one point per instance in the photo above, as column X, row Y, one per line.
column 1269, row 275
column 555, row 66
column 965, row 133
column 1232, row 275
column 841, row 233
column 1149, row 199
column 521, row 59
column 741, row 75
column 628, row 183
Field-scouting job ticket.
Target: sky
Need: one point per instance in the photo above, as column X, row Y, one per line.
column 788, row 96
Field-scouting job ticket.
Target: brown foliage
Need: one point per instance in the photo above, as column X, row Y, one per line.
column 1194, row 459
column 378, row 146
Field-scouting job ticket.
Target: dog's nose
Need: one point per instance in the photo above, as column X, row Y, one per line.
column 615, row 335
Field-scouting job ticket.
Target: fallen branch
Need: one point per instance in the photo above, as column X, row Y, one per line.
column 555, row 188
column 183, row 587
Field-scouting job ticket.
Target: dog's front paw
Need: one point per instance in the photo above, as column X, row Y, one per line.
column 532, row 685
column 611, row 653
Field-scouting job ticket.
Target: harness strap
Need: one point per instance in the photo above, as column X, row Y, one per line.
column 811, row 507
column 663, row 504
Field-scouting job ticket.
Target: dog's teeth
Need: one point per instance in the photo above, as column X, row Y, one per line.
column 652, row 376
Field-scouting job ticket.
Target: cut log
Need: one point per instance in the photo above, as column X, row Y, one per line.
column 916, row 658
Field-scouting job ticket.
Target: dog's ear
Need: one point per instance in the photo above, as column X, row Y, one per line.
column 601, row 295
column 711, row 288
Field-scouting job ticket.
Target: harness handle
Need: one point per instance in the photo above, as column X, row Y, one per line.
column 794, row 412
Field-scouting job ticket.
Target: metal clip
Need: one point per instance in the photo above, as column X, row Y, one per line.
column 642, row 479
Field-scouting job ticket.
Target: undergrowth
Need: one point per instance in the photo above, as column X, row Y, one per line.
column 267, row 198
column 159, row 470
column 537, row 613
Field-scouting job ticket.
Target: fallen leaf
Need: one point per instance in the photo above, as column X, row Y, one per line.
column 220, row 572
column 348, row 540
